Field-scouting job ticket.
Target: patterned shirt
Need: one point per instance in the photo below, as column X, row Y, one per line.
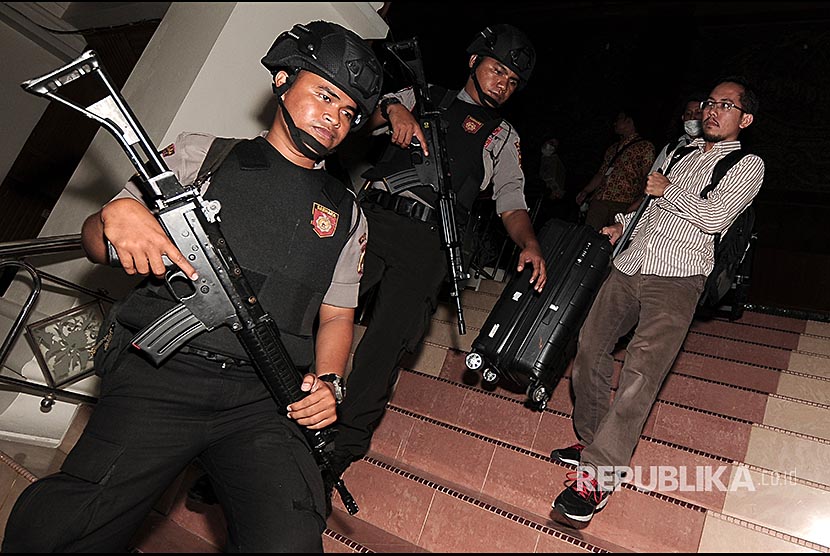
column 625, row 180
column 676, row 234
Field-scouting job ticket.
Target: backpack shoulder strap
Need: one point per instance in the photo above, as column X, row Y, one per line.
column 671, row 147
column 721, row 168
column 678, row 154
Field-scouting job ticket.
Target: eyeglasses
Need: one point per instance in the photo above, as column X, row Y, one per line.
column 724, row 105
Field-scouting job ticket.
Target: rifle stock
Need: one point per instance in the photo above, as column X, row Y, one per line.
column 222, row 295
column 433, row 170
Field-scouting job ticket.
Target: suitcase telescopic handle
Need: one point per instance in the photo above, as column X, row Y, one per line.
column 623, row 242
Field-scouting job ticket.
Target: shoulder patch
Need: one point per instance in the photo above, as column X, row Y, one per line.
column 169, row 150
column 493, row 136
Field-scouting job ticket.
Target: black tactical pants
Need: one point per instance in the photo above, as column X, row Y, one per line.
column 147, row 427
column 405, row 260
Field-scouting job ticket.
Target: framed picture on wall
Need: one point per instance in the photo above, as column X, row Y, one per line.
column 64, row 343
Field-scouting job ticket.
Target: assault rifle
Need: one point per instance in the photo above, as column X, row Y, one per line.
column 221, row 296
column 434, row 170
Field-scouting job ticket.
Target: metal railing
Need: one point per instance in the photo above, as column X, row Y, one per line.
column 12, row 255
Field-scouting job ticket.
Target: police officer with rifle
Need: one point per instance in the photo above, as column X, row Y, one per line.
column 460, row 136
column 213, row 356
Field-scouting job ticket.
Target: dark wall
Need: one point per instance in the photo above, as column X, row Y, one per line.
column 51, row 154
column 595, row 55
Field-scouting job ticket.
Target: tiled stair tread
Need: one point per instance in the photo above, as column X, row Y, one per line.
column 350, row 531
column 773, row 321
column 509, row 421
column 745, row 332
column 442, row 519
column 709, row 361
column 703, row 395
column 506, row 474
column 736, row 350
column 761, row 348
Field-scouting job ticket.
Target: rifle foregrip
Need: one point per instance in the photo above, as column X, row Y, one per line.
column 162, row 337
column 272, row 361
column 266, row 350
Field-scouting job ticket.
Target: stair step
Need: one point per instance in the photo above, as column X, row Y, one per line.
column 442, row 519
column 500, row 438
column 347, row 533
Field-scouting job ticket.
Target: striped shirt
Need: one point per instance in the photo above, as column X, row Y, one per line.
column 676, row 235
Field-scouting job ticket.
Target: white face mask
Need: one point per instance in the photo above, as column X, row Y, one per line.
column 693, row 127
column 548, row 150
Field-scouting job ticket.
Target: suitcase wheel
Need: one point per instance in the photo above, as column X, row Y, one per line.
column 489, row 376
column 539, row 395
column 474, row 361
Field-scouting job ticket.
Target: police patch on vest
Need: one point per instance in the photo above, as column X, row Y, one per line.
column 471, row 125
column 323, row 220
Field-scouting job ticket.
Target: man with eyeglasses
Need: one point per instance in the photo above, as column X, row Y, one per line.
column 405, row 260
column 655, row 283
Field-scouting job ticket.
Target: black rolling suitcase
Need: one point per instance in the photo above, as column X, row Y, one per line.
column 530, row 337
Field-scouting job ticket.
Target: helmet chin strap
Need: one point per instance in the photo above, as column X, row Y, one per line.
column 484, row 97
column 308, row 145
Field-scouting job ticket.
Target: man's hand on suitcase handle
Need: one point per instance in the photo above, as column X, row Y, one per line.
column 614, row 231
column 532, row 254
column 656, row 184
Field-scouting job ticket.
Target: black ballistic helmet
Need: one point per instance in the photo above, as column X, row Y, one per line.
column 509, row 46
column 335, row 54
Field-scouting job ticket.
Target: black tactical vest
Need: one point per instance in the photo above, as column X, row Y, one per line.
column 469, row 127
column 273, row 216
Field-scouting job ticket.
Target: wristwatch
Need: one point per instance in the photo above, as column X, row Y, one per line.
column 385, row 104
column 337, row 383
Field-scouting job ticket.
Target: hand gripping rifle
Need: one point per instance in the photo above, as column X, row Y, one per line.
column 433, row 170
column 221, row 296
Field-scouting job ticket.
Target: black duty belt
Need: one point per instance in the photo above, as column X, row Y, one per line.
column 212, row 356
column 401, row 205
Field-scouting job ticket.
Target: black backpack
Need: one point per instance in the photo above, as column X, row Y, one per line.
column 732, row 246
